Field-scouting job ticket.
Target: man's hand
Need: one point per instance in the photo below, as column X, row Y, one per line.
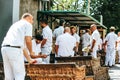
column 32, row 55
column 93, row 44
column 42, row 55
column 104, row 49
column 38, row 56
column 32, row 61
column 91, row 50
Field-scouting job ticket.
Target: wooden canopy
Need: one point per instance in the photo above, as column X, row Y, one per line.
column 73, row 17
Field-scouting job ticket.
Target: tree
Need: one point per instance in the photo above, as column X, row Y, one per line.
column 70, row 5
column 110, row 9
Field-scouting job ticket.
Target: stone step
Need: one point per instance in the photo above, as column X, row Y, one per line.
column 114, row 72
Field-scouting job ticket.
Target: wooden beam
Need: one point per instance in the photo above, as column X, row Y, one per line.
column 73, row 58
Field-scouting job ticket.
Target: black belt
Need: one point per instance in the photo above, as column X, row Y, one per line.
column 65, row 56
column 11, row 46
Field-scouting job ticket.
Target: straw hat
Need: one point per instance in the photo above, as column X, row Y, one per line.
column 112, row 27
column 86, row 49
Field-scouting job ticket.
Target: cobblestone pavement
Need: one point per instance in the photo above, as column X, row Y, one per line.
column 114, row 72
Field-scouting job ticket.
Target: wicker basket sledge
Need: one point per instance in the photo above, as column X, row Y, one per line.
column 62, row 71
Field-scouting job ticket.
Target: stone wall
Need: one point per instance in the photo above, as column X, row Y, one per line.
column 30, row 6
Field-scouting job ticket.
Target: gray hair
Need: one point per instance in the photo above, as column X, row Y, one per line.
column 26, row 15
column 67, row 29
column 93, row 25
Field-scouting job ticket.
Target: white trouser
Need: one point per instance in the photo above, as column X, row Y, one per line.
column 114, row 57
column 13, row 61
column 94, row 53
column 110, row 56
column 47, row 51
column 85, row 54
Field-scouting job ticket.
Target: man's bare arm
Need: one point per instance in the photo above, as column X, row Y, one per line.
column 93, row 44
column 43, row 42
column 28, row 40
column 56, row 49
column 28, row 57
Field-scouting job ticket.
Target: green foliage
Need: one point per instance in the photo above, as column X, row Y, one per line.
column 110, row 9
column 69, row 5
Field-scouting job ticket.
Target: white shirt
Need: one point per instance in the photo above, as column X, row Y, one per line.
column 58, row 31
column 77, row 37
column 111, row 39
column 96, row 37
column 17, row 32
column 36, row 47
column 47, row 34
column 66, row 43
column 85, row 40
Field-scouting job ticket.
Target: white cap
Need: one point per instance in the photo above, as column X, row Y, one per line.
column 112, row 27
column 83, row 31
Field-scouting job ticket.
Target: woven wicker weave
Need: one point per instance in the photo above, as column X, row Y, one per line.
column 93, row 67
column 55, row 72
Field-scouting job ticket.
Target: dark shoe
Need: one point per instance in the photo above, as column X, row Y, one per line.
column 105, row 66
column 111, row 66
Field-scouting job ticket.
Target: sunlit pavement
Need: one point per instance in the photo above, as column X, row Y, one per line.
column 114, row 72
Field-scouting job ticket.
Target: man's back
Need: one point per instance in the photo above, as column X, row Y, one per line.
column 17, row 32
column 111, row 38
column 66, row 43
column 85, row 40
column 96, row 37
column 58, row 31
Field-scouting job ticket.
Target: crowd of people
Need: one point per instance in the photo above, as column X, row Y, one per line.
column 18, row 42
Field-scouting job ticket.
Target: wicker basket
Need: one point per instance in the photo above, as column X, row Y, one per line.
column 93, row 68
column 55, row 72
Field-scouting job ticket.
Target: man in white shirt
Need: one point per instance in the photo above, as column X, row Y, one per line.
column 110, row 42
column 13, row 45
column 36, row 47
column 46, row 45
column 95, row 40
column 85, row 41
column 76, row 36
column 60, row 30
column 65, row 44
